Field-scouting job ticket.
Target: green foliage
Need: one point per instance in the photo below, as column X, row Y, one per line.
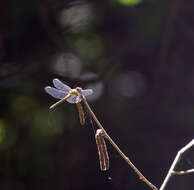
column 2, row 131
column 129, row 2
column 42, row 133
column 89, row 46
column 8, row 135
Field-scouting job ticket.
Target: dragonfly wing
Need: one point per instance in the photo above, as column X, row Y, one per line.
column 61, row 86
column 86, row 92
column 59, row 94
column 74, row 99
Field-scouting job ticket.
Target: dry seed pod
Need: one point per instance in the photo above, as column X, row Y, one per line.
column 102, row 150
column 81, row 113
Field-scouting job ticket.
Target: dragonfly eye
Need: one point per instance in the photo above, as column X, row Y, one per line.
column 79, row 89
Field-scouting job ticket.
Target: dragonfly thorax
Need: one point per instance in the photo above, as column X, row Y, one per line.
column 74, row 92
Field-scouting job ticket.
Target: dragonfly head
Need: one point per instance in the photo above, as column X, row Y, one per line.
column 78, row 89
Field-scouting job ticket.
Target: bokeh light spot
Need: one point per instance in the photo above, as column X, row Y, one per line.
column 77, row 18
column 67, row 64
column 98, row 89
column 130, row 84
column 87, row 76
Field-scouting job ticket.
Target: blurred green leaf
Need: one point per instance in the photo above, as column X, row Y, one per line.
column 129, row 2
column 43, row 130
column 8, row 135
column 2, row 131
column 21, row 104
column 22, row 108
column 89, row 46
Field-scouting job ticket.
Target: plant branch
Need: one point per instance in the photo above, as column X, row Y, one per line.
column 118, row 149
column 177, row 158
column 183, row 172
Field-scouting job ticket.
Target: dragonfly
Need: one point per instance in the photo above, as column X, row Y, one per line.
column 65, row 93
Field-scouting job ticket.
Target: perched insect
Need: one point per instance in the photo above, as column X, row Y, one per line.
column 65, row 93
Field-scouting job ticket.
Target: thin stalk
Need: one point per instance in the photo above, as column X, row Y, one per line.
column 177, row 158
column 118, row 149
column 60, row 101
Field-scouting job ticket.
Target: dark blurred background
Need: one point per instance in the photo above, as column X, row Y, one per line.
column 137, row 56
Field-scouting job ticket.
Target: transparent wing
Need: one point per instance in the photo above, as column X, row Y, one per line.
column 74, row 99
column 61, row 86
column 59, row 94
column 86, row 92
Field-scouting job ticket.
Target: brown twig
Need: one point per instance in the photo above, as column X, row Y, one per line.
column 183, row 172
column 118, row 149
column 103, row 155
column 177, row 158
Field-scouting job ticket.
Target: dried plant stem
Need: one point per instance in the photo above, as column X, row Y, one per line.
column 102, row 150
column 171, row 171
column 60, row 101
column 183, row 172
column 117, row 148
column 81, row 113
